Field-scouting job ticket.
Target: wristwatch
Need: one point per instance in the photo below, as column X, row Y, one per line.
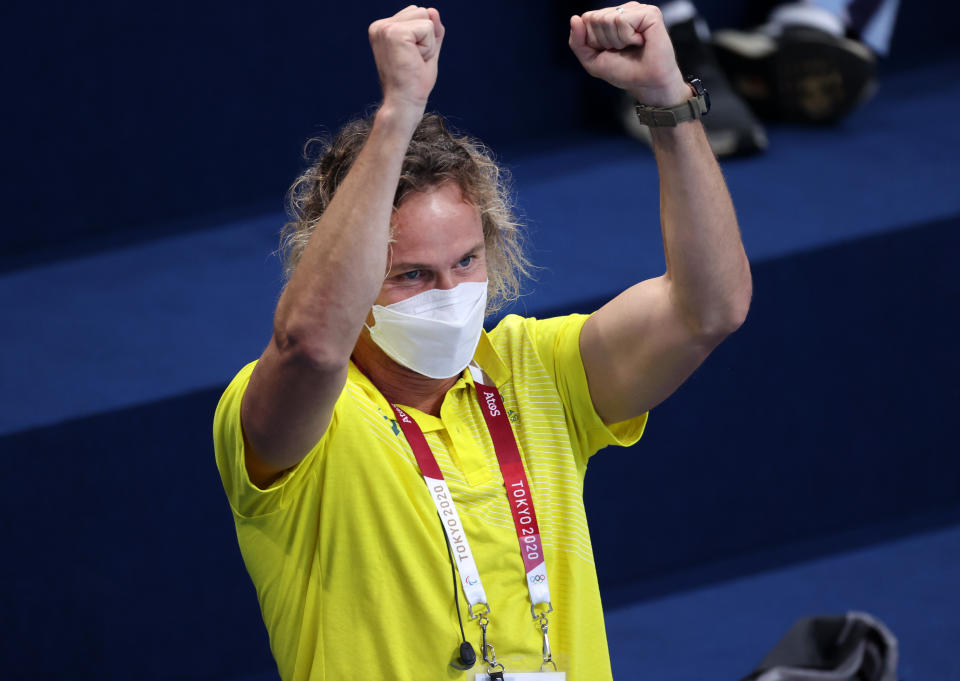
column 671, row 116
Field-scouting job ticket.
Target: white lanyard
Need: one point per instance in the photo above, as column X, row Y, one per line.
column 443, row 500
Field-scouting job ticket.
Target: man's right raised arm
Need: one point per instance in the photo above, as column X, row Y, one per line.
column 290, row 398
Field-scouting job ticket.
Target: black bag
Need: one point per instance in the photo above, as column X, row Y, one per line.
column 851, row 647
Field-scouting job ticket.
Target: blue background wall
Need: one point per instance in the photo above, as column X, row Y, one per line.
column 149, row 155
column 123, row 118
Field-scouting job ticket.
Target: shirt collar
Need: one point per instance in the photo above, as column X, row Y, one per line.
column 491, row 363
column 485, row 355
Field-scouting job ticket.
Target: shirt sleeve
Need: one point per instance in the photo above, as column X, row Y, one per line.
column 557, row 342
column 246, row 499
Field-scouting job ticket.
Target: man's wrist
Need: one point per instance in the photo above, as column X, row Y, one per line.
column 399, row 115
column 677, row 92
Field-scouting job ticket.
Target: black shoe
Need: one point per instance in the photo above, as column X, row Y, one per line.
column 731, row 127
column 803, row 75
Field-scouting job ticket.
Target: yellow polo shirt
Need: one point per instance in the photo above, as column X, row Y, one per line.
column 348, row 556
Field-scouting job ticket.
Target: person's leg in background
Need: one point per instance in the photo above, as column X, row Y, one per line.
column 868, row 21
column 811, row 62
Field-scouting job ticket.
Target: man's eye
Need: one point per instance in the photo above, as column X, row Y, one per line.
column 466, row 261
column 411, row 275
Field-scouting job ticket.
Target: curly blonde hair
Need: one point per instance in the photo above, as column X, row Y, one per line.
column 435, row 156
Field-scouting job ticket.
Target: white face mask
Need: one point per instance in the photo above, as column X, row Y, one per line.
column 434, row 333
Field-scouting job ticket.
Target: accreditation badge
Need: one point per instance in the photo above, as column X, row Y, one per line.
column 525, row 676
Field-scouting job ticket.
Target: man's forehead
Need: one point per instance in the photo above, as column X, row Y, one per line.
column 443, row 204
column 437, row 226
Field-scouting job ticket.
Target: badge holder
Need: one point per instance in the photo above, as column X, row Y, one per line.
column 496, row 671
column 522, row 676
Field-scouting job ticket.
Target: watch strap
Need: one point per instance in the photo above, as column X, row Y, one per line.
column 671, row 116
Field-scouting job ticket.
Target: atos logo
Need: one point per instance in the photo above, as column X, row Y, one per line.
column 491, row 403
column 537, row 579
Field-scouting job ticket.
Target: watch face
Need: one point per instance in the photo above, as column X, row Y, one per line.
column 701, row 91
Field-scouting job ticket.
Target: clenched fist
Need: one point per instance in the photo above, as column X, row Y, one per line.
column 406, row 48
column 628, row 47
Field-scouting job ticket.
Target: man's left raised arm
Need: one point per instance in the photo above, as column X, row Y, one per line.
column 638, row 348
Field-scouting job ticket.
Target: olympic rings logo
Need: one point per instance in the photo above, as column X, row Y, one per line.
column 537, row 579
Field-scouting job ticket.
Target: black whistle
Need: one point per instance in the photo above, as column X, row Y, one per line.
column 467, row 656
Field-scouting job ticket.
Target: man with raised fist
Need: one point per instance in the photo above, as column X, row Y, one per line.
column 406, row 486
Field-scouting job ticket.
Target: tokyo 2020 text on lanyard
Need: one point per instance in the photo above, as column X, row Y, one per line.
column 521, row 505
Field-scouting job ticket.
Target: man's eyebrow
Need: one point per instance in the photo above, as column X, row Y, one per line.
column 479, row 246
column 407, row 266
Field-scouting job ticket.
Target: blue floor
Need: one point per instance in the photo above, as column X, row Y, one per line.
column 723, row 631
